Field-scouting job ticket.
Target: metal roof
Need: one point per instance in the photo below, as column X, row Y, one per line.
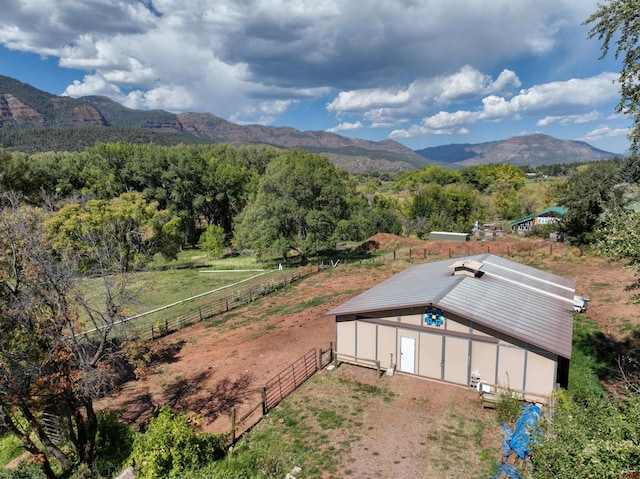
column 559, row 210
column 514, row 299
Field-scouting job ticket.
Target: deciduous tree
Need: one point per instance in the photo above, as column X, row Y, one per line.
column 46, row 366
column 126, row 231
column 300, row 199
column 616, row 24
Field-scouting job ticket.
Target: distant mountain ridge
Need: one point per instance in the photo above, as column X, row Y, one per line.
column 33, row 120
column 23, row 107
column 533, row 150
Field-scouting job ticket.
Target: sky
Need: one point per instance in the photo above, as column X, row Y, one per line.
column 420, row 72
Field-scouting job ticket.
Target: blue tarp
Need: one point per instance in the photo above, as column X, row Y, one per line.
column 518, row 440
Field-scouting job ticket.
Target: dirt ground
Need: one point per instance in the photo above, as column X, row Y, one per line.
column 212, row 368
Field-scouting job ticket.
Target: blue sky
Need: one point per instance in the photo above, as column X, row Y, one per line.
column 421, row 72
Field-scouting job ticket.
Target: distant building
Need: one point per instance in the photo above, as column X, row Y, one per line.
column 448, row 236
column 545, row 217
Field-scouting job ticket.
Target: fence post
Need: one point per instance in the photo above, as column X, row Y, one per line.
column 394, row 254
column 250, row 297
column 319, row 359
column 233, row 425
column 424, row 253
column 166, row 326
column 152, row 335
column 200, row 313
column 409, row 253
column 264, row 401
column 226, row 302
column 449, row 253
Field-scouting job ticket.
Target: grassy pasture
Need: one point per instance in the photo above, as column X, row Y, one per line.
column 193, row 281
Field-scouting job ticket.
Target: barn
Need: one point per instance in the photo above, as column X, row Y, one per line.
column 457, row 319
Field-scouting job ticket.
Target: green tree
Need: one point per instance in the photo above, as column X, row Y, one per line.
column 226, row 189
column 212, row 240
column 125, row 231
column 300, row 199
column 450, row 208
column 587, row 194
column 617, row 22
column 620, row 241
column 599, row 438
column 170, row 447
column 630, row 170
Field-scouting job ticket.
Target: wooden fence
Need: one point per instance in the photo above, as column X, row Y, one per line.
column 143, row 328
column 440, row 250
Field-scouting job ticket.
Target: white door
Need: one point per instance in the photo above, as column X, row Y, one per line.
column 407, row 355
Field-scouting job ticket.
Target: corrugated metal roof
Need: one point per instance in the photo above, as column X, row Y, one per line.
column 559, row 210
column 514, row 299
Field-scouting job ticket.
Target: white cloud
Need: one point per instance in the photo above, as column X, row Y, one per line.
column 421, row 95
column 94, row 85
column 238, row 59
column 568, row 119
column 603, row 131
column 345, row 126
column 574, row 95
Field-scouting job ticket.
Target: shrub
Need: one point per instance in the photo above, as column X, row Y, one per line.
column 212, row 241
column 23, row 471
column 114, row 442
column 508, row 405
column 170, row 446
column 10, row 448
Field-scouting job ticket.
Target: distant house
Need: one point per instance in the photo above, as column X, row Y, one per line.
column 481, row 317
column 545, row 217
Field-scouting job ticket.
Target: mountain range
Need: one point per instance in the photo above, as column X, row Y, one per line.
column 32, row 120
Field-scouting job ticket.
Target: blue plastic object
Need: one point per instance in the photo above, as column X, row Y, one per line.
column 519, row 440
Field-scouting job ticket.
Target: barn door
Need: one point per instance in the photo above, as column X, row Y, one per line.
column 456, row 360
column 407, row 354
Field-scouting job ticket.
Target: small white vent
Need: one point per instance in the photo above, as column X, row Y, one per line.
column 467, row 268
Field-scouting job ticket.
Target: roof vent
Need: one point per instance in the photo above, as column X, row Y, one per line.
column 467, row 268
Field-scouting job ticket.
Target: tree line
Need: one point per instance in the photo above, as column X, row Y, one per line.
column 273, row 201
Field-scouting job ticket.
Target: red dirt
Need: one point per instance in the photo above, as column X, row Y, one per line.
column 212, row 370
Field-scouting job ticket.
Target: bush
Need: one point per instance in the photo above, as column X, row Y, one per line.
column 212, row 241
column 10, row 448
column 114, row 442
column 508, row 405
column 23, row 471
column 170, row 446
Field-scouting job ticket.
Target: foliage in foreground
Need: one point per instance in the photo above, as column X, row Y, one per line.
column 592, row 433
column 170, row 447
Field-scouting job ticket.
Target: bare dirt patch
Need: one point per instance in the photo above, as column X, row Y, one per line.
column 216, row 366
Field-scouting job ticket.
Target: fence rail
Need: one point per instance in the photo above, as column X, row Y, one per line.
column 142, row 327
column 289, row 379
column 279, row 387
